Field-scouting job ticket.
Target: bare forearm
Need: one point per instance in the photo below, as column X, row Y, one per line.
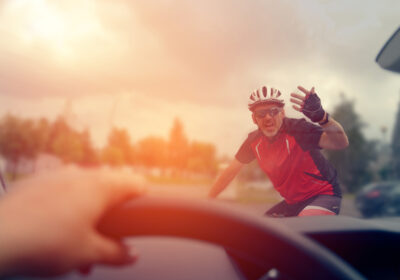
column 222, row 182
column 335, row 137
column 225, row 178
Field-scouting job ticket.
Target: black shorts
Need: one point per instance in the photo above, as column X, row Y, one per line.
column 283, row 209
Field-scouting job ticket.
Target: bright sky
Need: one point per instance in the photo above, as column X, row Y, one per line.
column 140, row 64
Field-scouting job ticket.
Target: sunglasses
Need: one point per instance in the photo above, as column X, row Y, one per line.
column 272, row 112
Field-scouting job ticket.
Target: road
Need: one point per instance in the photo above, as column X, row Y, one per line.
column 348, row 208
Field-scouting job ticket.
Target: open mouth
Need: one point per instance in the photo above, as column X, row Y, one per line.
column 268, row 125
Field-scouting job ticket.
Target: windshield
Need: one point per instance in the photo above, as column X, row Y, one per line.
column 161, row 89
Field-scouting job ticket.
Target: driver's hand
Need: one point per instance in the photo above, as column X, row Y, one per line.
column 48, row 222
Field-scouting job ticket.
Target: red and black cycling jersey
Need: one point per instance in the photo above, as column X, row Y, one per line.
column 292, row 160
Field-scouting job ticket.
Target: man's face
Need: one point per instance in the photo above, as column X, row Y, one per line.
column 268, row 118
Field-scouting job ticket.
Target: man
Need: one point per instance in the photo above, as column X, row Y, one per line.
column 288, row 151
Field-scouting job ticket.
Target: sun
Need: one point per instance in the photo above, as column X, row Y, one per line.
column 59, row 28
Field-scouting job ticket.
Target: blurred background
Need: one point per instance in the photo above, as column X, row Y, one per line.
column 161, row 87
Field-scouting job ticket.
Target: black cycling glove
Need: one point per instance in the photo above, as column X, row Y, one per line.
column 312, row 108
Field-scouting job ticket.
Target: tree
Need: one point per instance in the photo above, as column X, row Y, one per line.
column 65, row 142
column 20, row 138
column 202, row 158
column 119, row 150
column 178, row 146
column 26, row 138
column 113, row 156
column 396, row 146
column 352, row 163
column 152, row 152
column 41, row 134
column 90, row 155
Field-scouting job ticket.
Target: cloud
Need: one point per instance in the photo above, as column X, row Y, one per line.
column 181, row 57
column 174, row 50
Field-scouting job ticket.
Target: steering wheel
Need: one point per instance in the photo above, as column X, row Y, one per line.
column 265, row 241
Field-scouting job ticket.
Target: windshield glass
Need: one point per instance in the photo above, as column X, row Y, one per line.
column 161, row 89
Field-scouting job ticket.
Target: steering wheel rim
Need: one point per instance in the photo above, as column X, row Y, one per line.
column 265, row 240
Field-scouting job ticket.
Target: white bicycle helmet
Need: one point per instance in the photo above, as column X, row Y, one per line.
column 265, row 95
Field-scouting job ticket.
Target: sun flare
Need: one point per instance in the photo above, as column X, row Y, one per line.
column 61, row 29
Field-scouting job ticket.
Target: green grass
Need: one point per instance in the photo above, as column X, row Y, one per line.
column 167, row 180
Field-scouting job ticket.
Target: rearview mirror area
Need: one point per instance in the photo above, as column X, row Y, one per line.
column 389, row 56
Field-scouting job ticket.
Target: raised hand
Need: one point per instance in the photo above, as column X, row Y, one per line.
column 309, row 104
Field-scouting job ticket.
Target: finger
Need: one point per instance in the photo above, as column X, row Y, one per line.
column 297, row 108
column 119, row 186
column 112, row 252
column 298, row 96
column 297, row 102
column 303, row 90
column 312, row 91
column 122, row 180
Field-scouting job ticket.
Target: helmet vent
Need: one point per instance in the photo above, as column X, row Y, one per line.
column 264, row 91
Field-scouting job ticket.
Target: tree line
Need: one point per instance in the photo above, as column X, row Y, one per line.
column 27, row 138
column 364, row 160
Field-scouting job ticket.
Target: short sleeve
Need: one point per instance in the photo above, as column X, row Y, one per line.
column 307, row 134
column 245, row 153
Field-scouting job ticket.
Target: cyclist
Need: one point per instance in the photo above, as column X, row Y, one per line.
column 288, row 151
